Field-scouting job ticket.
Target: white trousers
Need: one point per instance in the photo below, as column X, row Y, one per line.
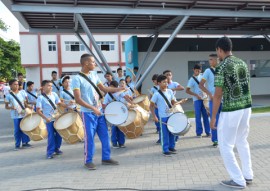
column 233, row 129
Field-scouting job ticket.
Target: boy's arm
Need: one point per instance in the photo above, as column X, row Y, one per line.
column 152, row 109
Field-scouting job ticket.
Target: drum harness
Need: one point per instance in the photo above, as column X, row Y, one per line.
column 18, row 101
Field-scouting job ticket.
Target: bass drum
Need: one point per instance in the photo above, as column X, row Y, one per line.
column 178, row 124
column 143, row 101
column 70, row 127
column 34, row 126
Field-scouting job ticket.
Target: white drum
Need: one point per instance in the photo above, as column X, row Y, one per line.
column 178, row 124
column 116, row 113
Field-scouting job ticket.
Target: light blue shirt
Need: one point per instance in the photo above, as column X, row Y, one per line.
column 173, row 85
column 31, row 99
column 122, row 95
column 154, row 90
column 108, row 99
column 210, row 79
column 163, row 108
column 57, row 84
column 88, row 93
column 118, row 79
column 131, row 85
column 65, row 96
column 194, row 86
column 12, row 102
column 45, row 105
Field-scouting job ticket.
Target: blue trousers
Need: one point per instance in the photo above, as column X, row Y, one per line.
column 19, row 136
column 201, row 111
column 167, row 138
column 157, row 124
column 54, row 139
column 117, row 137
column 214, row 131
column 95, row 124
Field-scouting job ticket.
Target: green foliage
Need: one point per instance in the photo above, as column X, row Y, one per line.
column 10, row 60
column 3, row 26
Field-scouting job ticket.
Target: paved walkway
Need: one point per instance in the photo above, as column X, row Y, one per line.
column 197, row 166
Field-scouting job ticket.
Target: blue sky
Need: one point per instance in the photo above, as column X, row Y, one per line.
column 11, row 21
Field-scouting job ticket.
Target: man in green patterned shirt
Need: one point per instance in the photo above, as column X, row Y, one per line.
column 232, row 84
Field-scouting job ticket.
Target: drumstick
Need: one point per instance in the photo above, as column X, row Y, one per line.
column 110, row 114
column 181, row 101
column 150, row 91
column 166, row 124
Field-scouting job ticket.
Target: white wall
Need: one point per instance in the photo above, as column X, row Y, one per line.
column 32, row 74
column 29, row 49
column 177, row 62
column 48, row 57
column 47, row 73
column 71, row 56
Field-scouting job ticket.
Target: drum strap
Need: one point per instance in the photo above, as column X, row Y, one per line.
column 55, row 85
column 213, row 71
column 49, row 100
column 110, row 94
column 165, row 98
column 19, row 102
column 97, row 90
column 130, row 88
column 196, row 80
column 155, row 87
column 31, row 94
column 67, row 92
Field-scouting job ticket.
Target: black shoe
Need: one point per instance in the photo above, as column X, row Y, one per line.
column 122, row 146
column 248, row 181
column 50, row 157
column 26, row 145
column 199, row 136
column 215, row 144
column 58, row 152
column 110, row 162
column 90, row 166
column 115, row 146
column 232, row 184
column 167, row 154
column 158, row 142
column 173, row 151
column 207, row 136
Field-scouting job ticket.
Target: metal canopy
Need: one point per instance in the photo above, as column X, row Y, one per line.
column 145, row 16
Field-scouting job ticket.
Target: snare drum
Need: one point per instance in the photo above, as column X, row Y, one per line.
column 143, row 101
column 70, row 127
column 34, row 126
column 178, row 124
column 116, row 113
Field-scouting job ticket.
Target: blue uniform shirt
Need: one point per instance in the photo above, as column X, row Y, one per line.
column 45, row 105
column 57, row 84
column 154, row 90
column 210, row 79
column 194, row 86
column 12, row 102
column 31, row 99
column 118, row 79
column 173, row 85
column 163, row 108
column 88, row 93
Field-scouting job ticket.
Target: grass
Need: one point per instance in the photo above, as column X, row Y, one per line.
column 190, row 114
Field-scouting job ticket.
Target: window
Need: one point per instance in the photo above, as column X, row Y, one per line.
column 259, row 68
column 74, row 46
column 106, row 45
column 123, row 46
column 204, row 64
column 52, row 45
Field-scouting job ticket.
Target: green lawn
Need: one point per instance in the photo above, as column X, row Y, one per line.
column 190, row 114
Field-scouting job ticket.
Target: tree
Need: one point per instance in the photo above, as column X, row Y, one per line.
column 3, row 26
column 10, row 57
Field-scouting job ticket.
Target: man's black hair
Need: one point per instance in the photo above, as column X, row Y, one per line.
column 197, row 66
column 107, row 73
column 29, row 83
column 166, row 71
column 224, row 44
column 118, row 69
column 213, row 55
column 44, row 82
column 155, row 76
column 114, row 83
column 20, row 74
column 161, row 77
column 12, row 81
column 54, row 72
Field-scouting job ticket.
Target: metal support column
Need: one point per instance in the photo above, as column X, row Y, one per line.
column 91, row 52
column 153, row 42
column 92, row 39
column 168, row 42
column 267, row 37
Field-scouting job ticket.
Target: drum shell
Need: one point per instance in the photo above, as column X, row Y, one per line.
column 39, row 132
column 74, row 132
column 144, row 103
column 145, row 115
column 133, row 127
column 184, row 131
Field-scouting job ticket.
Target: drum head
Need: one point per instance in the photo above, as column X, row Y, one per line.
column 139, row 99
column 116, row 113
column 65, row 120
column 30, row 122
column 177, row 123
